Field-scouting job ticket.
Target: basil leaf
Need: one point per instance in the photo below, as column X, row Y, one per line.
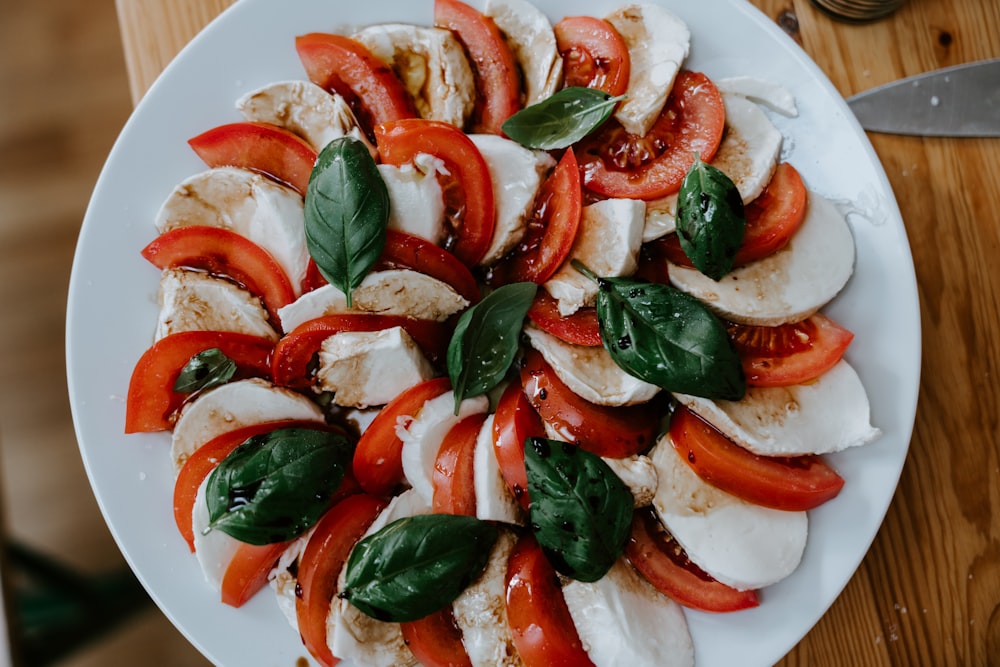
column 562, row 119
column 667, row 338
column 580, row 511
column 710, row 219
column 346, row 213
column 417, row 565
column 209, row 368
column 486, row 338
column 275, row 486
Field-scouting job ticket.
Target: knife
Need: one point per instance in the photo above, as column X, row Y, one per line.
column 960, row 101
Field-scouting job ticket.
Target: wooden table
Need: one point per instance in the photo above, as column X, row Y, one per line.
column 928, row 592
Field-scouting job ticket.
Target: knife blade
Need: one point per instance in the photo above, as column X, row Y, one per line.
column 960, row 101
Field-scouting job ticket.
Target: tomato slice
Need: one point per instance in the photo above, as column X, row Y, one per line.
column 540, row 623
column 377, row 463
column 454, row 473
column 580, row 328
column 789, row 354
column 616, row 432
column 152, row 402
column 293, row 354
column 772, row 219
column 498, row 85
column 319, row 567
column 261, row 147
column 514, row 422
column 614, row 163
column 469, row 199
column 794, row 483
column 346, row 66
column 551, row 228
column 594, row 55
column 436, row 640
column 224, row 252
column 659, row 558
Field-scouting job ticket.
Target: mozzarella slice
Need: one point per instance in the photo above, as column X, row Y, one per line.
column 789, row 285
column 743, row 545
column 639, row 475
column 416, row 201
column 481, row 612
column 530, row 36
column 658, row 42
column 234, row 405
column 494, row 500
column 302, row 107
column 365, row 368
column 213, row 549
column 517, row 174
column 266, row 212
column 750, row 147
column 623, row 621
column 393, row 292
column 195, row 301
column 826, row 415
column 432, row 66
column 352, row 634
column 423, row 436
column 590, row 372
column 772, row 95
column 661, row 218
column 283, row 581
column 607, row 242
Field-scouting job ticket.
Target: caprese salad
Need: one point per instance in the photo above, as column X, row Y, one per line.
column 499, row 342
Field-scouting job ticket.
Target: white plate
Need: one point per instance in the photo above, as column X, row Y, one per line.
column 112, row 310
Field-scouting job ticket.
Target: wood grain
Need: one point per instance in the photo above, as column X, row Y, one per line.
column 927, row 593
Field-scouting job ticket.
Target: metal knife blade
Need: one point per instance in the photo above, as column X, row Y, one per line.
column 960, row 101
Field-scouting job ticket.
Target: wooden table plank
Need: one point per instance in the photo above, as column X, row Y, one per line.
column 927, row 593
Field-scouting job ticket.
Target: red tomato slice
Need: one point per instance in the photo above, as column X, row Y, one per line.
column 551, row 228
column 540, row 623
column 599, row 429
column 454, row 473
column 658, row 557
column 784, row 483
column 320, row 565
column 469, row 198
column 580, row 328
column 224, row 252
column 377, row 464
column 594, row 55
column 346, row 66
column 514, row 422
column 498, row 84
column 152, row 401
column 294, row 353
column 614, row 163
column 789, row 354
column 436, row 640
column 261, row 147
column 772, row 219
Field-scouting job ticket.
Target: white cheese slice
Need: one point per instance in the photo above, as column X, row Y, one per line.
column 661, row 218
column 283, row 581
column 416, row 201
column 772, row 95
column 789, row 285
column 366, row 368
column 213, row 549
column 623, row 621
column 743, row 545
column 529, row 34
column 750, row 147
column 826, row 415
column 264, row 211
column 607, row 242
column 639, row 475
column 658, row 42
column 494, row 500
column 195, row 301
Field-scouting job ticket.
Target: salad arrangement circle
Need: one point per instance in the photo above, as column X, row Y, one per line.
column 475, row 354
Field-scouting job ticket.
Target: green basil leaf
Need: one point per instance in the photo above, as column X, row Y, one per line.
column 580, row 511
column 209, row 368
column 562, row 119
column 346, row 213
column 275, row 486
column 417, row 565
column 667, row 338
column 486, row 338
column 710, row 219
